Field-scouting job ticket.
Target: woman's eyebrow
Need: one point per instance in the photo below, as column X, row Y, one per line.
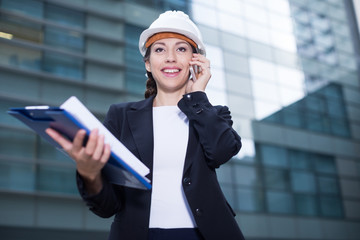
column 177, row 43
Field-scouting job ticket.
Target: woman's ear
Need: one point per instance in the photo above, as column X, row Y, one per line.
column 148, row 66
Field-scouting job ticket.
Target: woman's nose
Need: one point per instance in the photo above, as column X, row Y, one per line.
column 171, row 56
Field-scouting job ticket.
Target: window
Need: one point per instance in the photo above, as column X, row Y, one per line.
column 33, row 8
column 322, row 111
column 307, row 186
column 135, row 69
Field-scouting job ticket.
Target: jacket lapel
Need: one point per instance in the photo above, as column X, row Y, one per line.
column 141, row 126
column 191, row 147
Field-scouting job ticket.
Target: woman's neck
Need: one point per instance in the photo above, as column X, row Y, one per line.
column 167, row 99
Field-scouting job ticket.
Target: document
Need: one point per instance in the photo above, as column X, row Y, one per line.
column 123, row 167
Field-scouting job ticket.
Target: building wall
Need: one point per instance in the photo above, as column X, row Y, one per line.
column 288, row 70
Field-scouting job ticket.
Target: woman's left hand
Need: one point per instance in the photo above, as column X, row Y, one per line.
column 203, row 76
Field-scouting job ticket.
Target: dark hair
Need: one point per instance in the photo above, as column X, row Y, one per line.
column 151, row 88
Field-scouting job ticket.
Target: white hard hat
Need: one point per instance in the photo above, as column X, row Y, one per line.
column 175, row 22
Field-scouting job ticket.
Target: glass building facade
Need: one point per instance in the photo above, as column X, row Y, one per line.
column 288, row 69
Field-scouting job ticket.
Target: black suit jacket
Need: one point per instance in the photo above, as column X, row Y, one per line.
column 212, row 142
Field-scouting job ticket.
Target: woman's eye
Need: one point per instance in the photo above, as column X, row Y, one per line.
column 158, row 50
column 182, row 49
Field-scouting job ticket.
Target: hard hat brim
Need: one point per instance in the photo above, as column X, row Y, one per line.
column 149, row 32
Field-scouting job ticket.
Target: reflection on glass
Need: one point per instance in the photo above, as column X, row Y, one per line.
column 55, row 179
column 232, row 24
column 273, row 156
column 303, row 182
column 249, row 200
column 20, row 57
column 257, row 32
column 331, row 207
column 262, row 69
column 279, row 202
column 306, row 205
column 276, row 179
column 328, row 185
column 321, row 111
column 33, row 8
column 17, row 176
column 65, row 16
column 63, row 65
column 284, row 41
column 11, row 140
column 247, row 175
column 256, row 14
column 232, row 6
column 247, row 152
column 279, row 6
column 69, row 40
column 202, row 14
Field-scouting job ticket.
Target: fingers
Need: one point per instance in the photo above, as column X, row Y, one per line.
column 63, row 142
column 203, row 76
column 200, row 61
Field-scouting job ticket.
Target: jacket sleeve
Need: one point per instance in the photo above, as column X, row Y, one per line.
column 213, row 125
column 108, row 201
column 104, row 204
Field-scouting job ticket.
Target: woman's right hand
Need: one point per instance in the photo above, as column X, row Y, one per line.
column 90, row 159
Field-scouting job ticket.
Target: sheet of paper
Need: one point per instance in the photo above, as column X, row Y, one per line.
column 87, row 119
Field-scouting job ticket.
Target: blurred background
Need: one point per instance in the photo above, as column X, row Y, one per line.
column 288, row 69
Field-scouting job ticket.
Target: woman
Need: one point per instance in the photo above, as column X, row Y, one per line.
column 177, row 133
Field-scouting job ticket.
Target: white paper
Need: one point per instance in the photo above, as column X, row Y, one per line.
column 88, row 120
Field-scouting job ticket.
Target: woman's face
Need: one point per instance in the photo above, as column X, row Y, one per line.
column 169, row 64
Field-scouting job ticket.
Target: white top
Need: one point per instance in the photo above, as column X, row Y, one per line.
column 169, row 207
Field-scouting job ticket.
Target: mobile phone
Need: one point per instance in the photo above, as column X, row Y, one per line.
column 193, row 70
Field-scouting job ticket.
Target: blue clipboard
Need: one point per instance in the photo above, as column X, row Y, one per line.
column 39, row 119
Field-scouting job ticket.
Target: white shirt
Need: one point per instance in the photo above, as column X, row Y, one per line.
column 169, row 207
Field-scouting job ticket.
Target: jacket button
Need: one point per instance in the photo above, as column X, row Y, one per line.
column 188, row 97
column 198, row 212
column 187, row 181
column 199, row 111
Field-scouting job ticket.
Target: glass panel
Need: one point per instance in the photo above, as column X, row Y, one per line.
column 17, row 176
column 247, row 152
column 324, row 164
column 62, row 65
column 16, row 28
column 328, row 185
column 315, row 103
column 65, row 16
column 276, row 179
column 279, row 202
column 292, row 117
column 55, row 179
column 134, row 60
column 33, row 8
column 336, row 109
column 64, row 39
column 136, row 82
column 303, row 182
column 228, row 191
column 224, row 173
column 331, row 207
column 340, row 127
column 13, row 141
column 300, row 160
column 48, row 152
column 246, row 175
column 250, row 200
column 306, row 205
column 315, row 121
column 20, row 57
column 273, row 156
